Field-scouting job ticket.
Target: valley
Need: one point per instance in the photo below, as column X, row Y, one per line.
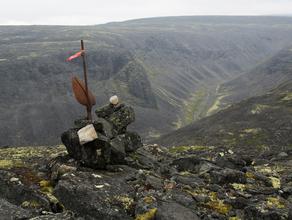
column 212, row 97
column 168, row 69
column 255, row 124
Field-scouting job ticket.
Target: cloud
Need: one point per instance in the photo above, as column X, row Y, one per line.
column 96, row 11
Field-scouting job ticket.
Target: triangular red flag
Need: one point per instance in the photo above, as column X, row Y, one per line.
column 78, row 54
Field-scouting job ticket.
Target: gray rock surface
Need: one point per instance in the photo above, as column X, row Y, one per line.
column 174, row 211
column 18, row 193
column 93, row 197
column 10, row 211
column 113, row 141
column 157, row 183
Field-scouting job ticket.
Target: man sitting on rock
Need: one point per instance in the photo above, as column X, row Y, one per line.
column 105, row 140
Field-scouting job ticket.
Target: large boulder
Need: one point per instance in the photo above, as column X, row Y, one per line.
column 227, row 176
column 133, row 141
column 107, row 110
column 120, row 116
column 186, row 163
column 103, row 195
column 104, row 127
column 118, row 153
column 94, row 154
column 11, row 211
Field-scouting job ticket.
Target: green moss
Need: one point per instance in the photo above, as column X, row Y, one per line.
column 214, row 203
column 181, row 149
column 8, row 164
column 217, row 204
column 234, row 218
column 149, row 199
column 238, row 186
column 46, row 187
column 263, row 169
column 45, row 183
column 270, row 170
column 22, row 161
column 259, row 108
column 32, row 204
column 47, row 190
column 198, row 191
column 275, row 202
column 127, row 202
column 18, row 153
column 276, row 182
column 54, row 200
column 150, row 215
column 249, row 175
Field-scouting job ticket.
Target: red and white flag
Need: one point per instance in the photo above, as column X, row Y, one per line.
column 78, row 54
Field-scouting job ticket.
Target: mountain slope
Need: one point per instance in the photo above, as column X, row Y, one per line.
column 160, row 66
column 257, row 123
column 258, row 81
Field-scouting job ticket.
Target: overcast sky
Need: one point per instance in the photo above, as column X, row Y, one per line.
column 86, row 12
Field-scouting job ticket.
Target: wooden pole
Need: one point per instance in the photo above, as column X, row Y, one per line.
column 88, row 107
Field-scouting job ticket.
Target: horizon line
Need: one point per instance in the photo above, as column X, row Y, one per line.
column 133, row 19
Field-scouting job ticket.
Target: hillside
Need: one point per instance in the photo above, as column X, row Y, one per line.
column 167, row 68
column 264, row 77
column 256, row 124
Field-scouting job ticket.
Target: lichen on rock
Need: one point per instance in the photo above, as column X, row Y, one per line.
column 149, row 215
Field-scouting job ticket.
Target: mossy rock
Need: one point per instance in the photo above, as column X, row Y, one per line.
column 149, row 215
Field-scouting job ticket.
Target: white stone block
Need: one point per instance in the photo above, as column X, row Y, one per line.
column 87, row 134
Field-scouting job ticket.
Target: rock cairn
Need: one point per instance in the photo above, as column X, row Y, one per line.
column 113, row 142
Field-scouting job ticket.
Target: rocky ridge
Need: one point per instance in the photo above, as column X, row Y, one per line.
column 195, row 182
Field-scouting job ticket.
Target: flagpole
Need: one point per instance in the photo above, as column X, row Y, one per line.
column 88, row 107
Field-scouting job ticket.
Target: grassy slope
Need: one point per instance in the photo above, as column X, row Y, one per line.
column 258, row 81
column 257, row 123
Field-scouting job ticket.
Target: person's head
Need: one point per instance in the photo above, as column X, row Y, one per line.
column 114, row 100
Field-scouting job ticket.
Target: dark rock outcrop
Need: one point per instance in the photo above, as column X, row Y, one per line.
column 169, row 211
column 11, row 211
column 113, row 141
column 227, row 176
column 96, row 196
column 13, row 190
column 153, row 183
